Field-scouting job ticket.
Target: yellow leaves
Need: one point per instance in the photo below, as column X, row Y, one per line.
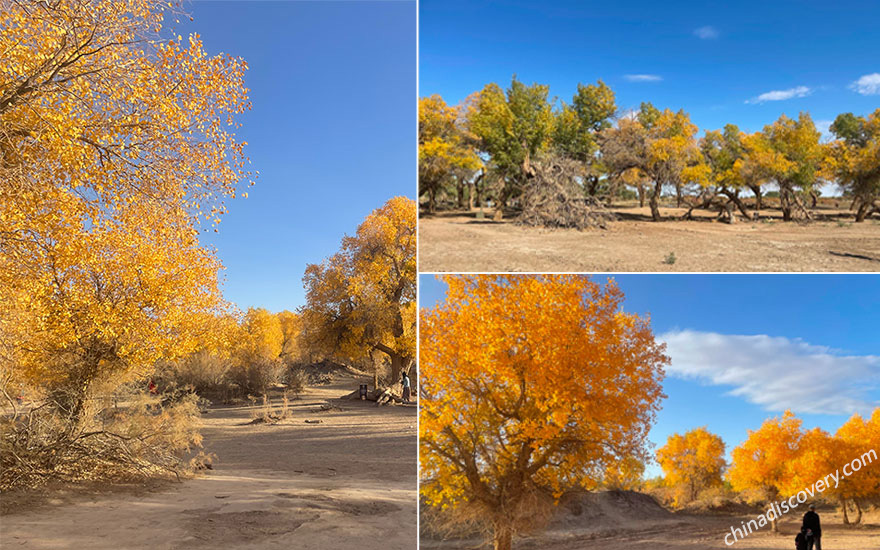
column 526, row 372
column 102, row 194
column 691, row 462
column 363, row 297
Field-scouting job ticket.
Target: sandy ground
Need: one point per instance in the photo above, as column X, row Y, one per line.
column 347, row 481
column 688, row 533
column 459, row 242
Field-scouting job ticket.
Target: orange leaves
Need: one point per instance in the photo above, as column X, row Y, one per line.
column 540, row 379
column 759, row 462
column 781, row 458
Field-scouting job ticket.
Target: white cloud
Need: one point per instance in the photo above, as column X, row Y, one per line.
column 867, row 85
column 777, row 373
column 780, row 95
column 643, row 77
column 824, row 127
column 706, row 33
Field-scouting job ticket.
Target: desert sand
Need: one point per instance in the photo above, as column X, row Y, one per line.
column 348, row 481
column 459, row 242
column 631, row 521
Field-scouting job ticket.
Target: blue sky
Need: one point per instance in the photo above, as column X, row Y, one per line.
column 745, row 347
column 708, row 58
column 332, row 131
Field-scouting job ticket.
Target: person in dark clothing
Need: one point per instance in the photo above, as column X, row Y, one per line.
column 800, row 541
column 813, row 528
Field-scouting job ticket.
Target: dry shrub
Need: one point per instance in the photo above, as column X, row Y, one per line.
column 205, row 373
column 555, row 197
column 718, row 497
column 258, row 375
column 268, row 413
column 140, row 437
column 296, row 379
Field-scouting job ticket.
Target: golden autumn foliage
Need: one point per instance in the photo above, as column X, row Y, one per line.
column 512, row 129
column 857, row 437
column 115, row 141
column 291, row 328
column 853, row 160
column 789, row 153
column 362, row 298
column 781, row 458
column 532, row 386
column 692, row 462
column 262, row 336
column 759, row 462
column 661, row 146
column 444, row 151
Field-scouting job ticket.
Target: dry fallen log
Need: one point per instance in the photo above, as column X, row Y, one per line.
column 382, row 396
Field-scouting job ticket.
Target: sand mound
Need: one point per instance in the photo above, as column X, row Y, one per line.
column 607, row 510
column 326, row 371
column 603, row 511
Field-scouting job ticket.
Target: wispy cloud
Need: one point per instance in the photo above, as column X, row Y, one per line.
column 867, row 85
column 643, row 77
column 824, row 127
column 777, row 373
column 706, row 33
column 780, row 95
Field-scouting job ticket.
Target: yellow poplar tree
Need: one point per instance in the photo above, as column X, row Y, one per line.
column 363, row 297
column 857, row 437
column 853, row 160
column 533, row 385
column 760, row 461
column 691, row 462
column 661, row 145
column 291, row 328
column 262, row 337
column 444, row 150
column 789, row 153
column 116, row 141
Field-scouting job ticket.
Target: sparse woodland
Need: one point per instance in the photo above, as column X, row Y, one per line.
column 117, row 149
column 521, row 149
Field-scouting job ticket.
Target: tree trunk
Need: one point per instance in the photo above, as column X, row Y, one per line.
column 734, row 197
column 862, row 212
column 678, row 195
column 396, row 367
column 641, row 189
column 785, row 200
column 845, row 516
column 859, row 510
column 471, row 197
column 655, row 203
column 774, row 526
column 431, row 201
column 460, row 189
column 756, row 189
column 502, row 539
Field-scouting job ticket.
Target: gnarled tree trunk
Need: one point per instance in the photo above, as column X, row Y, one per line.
column 655, row 202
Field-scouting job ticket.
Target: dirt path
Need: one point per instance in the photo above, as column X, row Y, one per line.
column 687, row 533
column 459, row 242
column 349, row 480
